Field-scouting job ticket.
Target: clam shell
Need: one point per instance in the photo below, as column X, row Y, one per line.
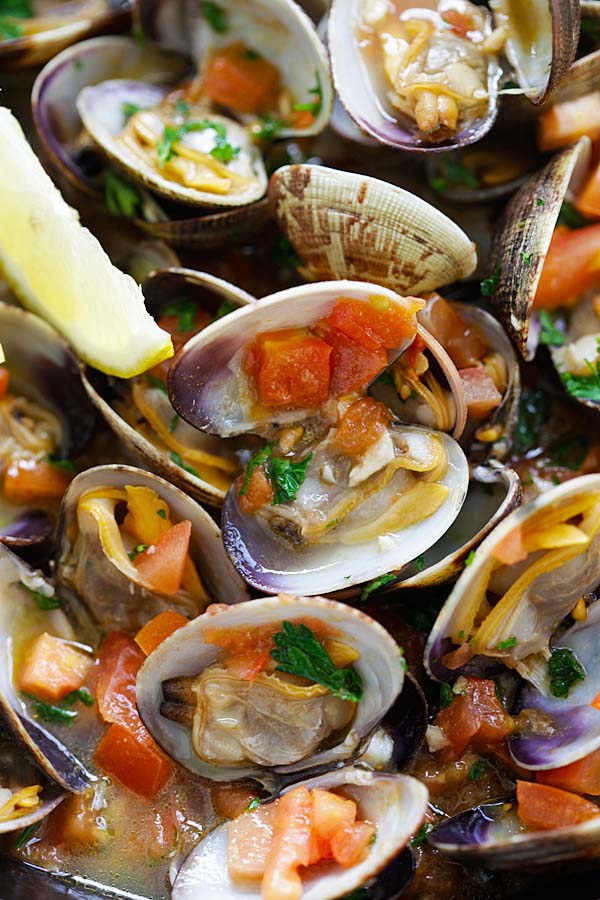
column 365, row 101
column 439, row 641
column 44, row 746
column 35, row 49
column 115, row 601
column 542, row 41
column 344, row 225
column 185, row 653
column 396, row 804
column 162, row 287
column 524, row 237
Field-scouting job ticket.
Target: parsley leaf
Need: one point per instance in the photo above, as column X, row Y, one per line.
column 454, row 174
column 570, row 452
column 121, row 197
column 571, row 217
column 182, row 107
column 313, row 106
column 257, row 459
column 172, row 427
column 478, row 769
column 550, row 334
column 162, row 513
column 172, row 134
column 176, row 458
column 527, row 259
column 130, row 109
column 254, row 804
column 20, row 9
column 533, row 410
column 65, row 465
column 470, row 557
column 268, row 127
column 446, row 695
column 215, row 15
column 25, row 835
column 10, row 30
column 584, row 387
column 420, row 837
column 374, row 585
column 226, row 307
column 298, row 652
column 56, row 715
column 286, row 477
column 185, row 310
column 489, row 285
column 43, row 602
column 508, row 643
column 157, row 383
column 81, row 694
column 136, row 551
column 564, row 669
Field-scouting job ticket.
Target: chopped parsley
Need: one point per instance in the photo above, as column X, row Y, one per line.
column 254, row 804
column 420, row 562
column 590, row 28
column 478, row 769
column 446, row 695
column 527, row 259
column 226, row 307
column 540, row 202
column 286, row 477
column 176, row 458
column 65, row 465
column 454, row 174
column 223, row 151
column 43, row 602
column 313, row 106
column 139, row 36
column 268, row 127
column 182, row 107
column 162, row 513
column 420, row 837
column 215, row 15
column 10, row 30
column 570, row 452
column 470, row 557
column 133, row 554
column 257, row 459
column 584, row 387
column 374, row 585
column 298, row 652
column 571, row 217
column 508, row 643
column 130, row 109
column 157, row 383
column 81, row 694
column 533, row 411
column 121, row 197
column 185, row 312
column 25, row 835
column 550, row 334
column 564, row 670
column 173, row 425
column 489, row 286
column 56, row 715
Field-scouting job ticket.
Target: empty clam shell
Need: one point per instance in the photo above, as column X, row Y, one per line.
column 343, row 225
column 395, row 804
column 163, row 287
column 520, row 248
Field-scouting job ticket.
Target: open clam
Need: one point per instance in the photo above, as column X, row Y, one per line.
column 26, row 796
column 425, row 76
column 111, row 515
column 195, row 699
column 140, row 412
column 45, row 27
column 394, row 804
column 46, row 421
column 229, row 380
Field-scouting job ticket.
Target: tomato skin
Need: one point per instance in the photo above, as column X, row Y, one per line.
column 138, row 766
column 352, row 367
column 465, row 344
column 588, row 201
column 580, row 777
column 481, row 394
column 565, row 123
column 572, row 267
column 4, row 381
column 159, row 629
column 290, row 848
column 53, row 668
column 544, row 808
column 292, row 371
column 377, row 323
column 475, row 718
column 361, row 426
column 119, row 660
column 242, row 80
column 162, row 565
column 259, row 492
column 28, row 481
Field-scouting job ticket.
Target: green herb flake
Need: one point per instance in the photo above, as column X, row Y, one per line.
column 533, row 411
column 9, row 31
column 298, row 652
column 403, row 662
column 564, row 670
column 182, row 107
column 358, row 894
column 162, row 513
column 571, row 217
column 286, row 477
column 258, row 459
column 216, row 16
column 446, row 695
column 133, row 554
column 268, row 127
column 121, row 197
column 374, row 585
column 252, row 55
column 539, row 201
column 555, row 479
column 584, row 387
column 65, row 465
column 176, row 458
column 139, row 36
column 527, row 259
column 226, row 307
column 43, row 602
column 420, row 837
column 223, row 151
column 254, row 804
column 25, row 836
column 420, row 562
column 438, row 184
column 56, row 715
column 457, row 174
column 173, row 426
column 157, row 383
column 19, row 9
column 185, row 312
column 130, row 109
column 78, row 64
column 313, row 106
column 550, row 335
column 478, row 769
column 508, row 643
column 470, row 557
column 590, row 28
column 489, row 286
column 81, row 694
column 570, row 452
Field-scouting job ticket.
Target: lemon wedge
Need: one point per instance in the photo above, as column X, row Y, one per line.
column 59, row 270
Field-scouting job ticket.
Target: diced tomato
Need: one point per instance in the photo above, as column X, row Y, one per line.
column 461, row 23
column 249, row 843
column 565, row 123
column 361, row 426
column 230, row 800
column 242, row 80
column 474, row 718
column 28, row 481
column 377, row 323
column 138, row 765
column 481, row 394
column 158, row 629
column 588, row 200
column 352, row 367
column 74, row 824
column 511, row 549
column 350, row 845
column 465, row 344
column 4, row 380
column 160, row 836
column 53, row 668
column 544, row 808
column 293, row 372
column 119, row 660
column 331, row 813
column 301, row 119
column 246, row 651
column 259, row 492
column 580, row 777
column 290, row 847
column 572, row 267
column 162, row 565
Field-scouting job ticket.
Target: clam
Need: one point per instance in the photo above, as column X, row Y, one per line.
column 139, row 411
column 195, row 701
column 30, row 41
column 294, row 543
column 44, row 414
column 24, row 613
column 26, row 796
column 97, row 551
column 422, row 79
column 394, row 804
column 525, row 578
